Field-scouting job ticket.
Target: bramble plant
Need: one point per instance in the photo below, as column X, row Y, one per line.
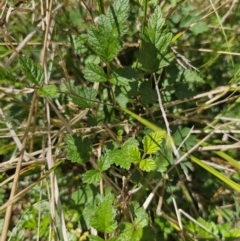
column 109, row 131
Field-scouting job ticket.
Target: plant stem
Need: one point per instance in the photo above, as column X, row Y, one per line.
column 101, row 6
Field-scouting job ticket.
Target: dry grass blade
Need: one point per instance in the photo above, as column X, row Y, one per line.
column 27, row 39
column 15, row 181
column 21, row 194
column 54, row 194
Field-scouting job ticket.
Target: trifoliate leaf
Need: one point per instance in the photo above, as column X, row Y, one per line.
column 147, row 165
column 92, row 176
column 78, row 150
column 122, row 157
column 103, row 218
column 94, row 73
column 31, row 70
column 152, row 142
column 84, row 97
column 48, row 91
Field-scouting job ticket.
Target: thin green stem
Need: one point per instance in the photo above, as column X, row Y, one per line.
column 145, row 15
column 101, row 6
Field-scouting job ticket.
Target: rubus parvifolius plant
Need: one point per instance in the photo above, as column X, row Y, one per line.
column 111, row 213
column 123, row 168
column 127, row 168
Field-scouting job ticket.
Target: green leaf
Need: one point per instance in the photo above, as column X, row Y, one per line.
column 120, row 158
column 130, row 233
column 72, row 149
column 78, row 150
column 157, row 33
column 118, row 15
column 113, row 239
column 148, row 57
column 149, row 233
column 192, row 77
column 180, row 135
column 122, row 100
column 103, row 218
column 85, row 196
column 104, row 163
column 48, row 91
column 94, row 73
column 155, row 42
column 134, row 154
column 148, row 94
column 31, row 70
column 147, row 165
column 162, row 164
column 155, row 26
column 152, row 142
column 151, row 59
column 92, row 176
column 105, row 39
column 95, row 238
column 74, row 18
column 123, row 76
column 199, row 28
column 120, row 132
column 84, row 97
column 142, row 218
column 6, row 75
column 20, row 109
column 88, row 212
column 106, row 47
column 130, row 142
